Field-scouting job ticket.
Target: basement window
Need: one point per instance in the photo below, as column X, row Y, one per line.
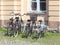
column 38, row 6
column 34, row 5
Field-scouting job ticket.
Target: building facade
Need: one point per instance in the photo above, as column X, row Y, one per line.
column 47, row 10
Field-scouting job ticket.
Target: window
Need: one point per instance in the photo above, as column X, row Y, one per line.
column 34, row 5
column 38, row 6
column 43, row 6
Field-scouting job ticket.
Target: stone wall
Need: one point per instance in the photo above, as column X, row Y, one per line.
column 53, row 13
column 7, row 7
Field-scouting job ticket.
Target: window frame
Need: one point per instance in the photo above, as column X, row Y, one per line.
column 38, row 7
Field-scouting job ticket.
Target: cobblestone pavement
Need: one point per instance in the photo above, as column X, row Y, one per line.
column 6, row 42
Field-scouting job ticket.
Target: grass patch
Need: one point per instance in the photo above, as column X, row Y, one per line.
column 3, row 29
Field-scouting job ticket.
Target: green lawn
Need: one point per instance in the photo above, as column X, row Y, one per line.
column 49, row 38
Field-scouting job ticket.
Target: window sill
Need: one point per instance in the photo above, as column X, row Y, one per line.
column 36, row 13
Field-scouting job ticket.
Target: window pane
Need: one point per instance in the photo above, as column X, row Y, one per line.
column 43, row 6
column 42, row 0
column 33, row 0
column 34, row 5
